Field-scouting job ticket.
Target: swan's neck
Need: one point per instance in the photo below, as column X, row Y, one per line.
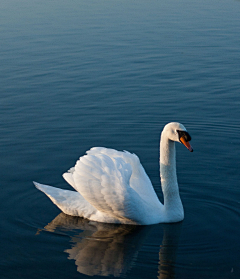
column 172, row 203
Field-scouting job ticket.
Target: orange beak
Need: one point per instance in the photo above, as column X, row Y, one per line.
column 186, row 143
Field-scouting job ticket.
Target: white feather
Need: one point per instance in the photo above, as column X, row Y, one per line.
column 113, row 187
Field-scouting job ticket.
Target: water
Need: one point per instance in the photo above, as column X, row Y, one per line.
column 77, row 74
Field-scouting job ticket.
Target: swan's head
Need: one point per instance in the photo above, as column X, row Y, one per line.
column 177, row 132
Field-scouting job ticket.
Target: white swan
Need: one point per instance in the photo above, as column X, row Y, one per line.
column 113, row 187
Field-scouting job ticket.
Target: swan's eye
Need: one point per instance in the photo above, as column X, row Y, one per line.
column 184, row 134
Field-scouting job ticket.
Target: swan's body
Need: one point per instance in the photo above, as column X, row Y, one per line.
column 113, row 187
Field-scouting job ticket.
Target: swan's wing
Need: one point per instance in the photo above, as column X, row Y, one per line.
column 139, row 180
column 104, row 181
column 70, row 202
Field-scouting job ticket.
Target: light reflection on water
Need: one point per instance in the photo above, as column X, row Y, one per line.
column 108, row 249
column 76, row 74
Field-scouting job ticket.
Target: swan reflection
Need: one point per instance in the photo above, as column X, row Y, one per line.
column 110, row 249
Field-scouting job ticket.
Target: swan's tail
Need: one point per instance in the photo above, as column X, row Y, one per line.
column 70, row 202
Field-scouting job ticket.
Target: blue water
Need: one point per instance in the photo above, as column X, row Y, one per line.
column 77, row 74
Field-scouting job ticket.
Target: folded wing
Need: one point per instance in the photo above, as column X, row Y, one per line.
column 102, row 177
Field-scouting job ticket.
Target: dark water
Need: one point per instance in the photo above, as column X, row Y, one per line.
column 76, row 74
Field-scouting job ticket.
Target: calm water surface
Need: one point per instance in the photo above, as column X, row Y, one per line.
column 76, row 74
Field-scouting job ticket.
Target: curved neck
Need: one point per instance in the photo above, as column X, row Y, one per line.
column 172, row 201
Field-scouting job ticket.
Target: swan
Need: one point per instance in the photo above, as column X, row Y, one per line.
column 113, row 187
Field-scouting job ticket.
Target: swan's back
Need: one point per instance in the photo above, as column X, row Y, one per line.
column 116, row 184
column 139, row 180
